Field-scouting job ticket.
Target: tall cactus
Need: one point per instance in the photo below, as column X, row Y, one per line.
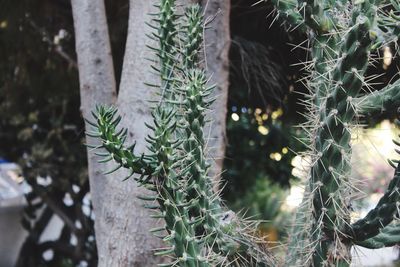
column 342, row 35
column 198, row 229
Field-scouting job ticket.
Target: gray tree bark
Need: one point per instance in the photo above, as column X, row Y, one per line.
column 134, row 107
column 217, row 42
column 121, row 224
column 97, row 86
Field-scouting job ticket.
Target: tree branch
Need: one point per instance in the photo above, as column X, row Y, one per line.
column 97, row 86
column 57, row 48
column 96, row 71
column 217, row 40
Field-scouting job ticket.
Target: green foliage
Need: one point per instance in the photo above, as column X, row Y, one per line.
column 263, row 201
column 262, row 80
column 258, row 147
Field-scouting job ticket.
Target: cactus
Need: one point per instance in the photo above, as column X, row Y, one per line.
column 199, row 229
column 342, row 35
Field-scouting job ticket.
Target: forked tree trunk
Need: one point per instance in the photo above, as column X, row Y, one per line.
column 122, row 225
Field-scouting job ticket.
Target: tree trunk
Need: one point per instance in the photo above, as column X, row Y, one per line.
column 97, row 86
column 122, row 225
column 134, row 239
column 217, row 42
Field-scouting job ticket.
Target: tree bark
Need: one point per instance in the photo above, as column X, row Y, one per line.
column 97, row 86
column 217, row 43
column 133, row 239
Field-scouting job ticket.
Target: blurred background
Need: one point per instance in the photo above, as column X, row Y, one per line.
column 46, row 216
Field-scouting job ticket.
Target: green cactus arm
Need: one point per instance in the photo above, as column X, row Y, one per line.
column 377, row 102
column 333, row 137
column 339, row 62
column 381, row 215
column 194, row 93
column 171, row 200
column 172, row 194
column 193, row 36
column 288, row 11
column 389, row 236
column 185, row 249
column 113, row 141
column 172, row 189
column 213, row 224
column 388, row 24
column 329, row 174
column 341, row 36
column 165, row 34
column 218, row 228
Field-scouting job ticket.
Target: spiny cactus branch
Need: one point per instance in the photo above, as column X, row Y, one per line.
column 172, row 197
column 341, row 35
column 383, row 214
column 388, row 237
column 193, row 36
column 377, row 102
column 166, row 33
column 288, row 11
column 220, row 228
column 388, row 26
column 113, row 141
column 333, row 136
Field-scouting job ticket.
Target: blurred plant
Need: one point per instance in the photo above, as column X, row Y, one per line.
column 260, row 145
column 41, row 129
column 255, row 72
column 263, row 202
column 262, row 105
